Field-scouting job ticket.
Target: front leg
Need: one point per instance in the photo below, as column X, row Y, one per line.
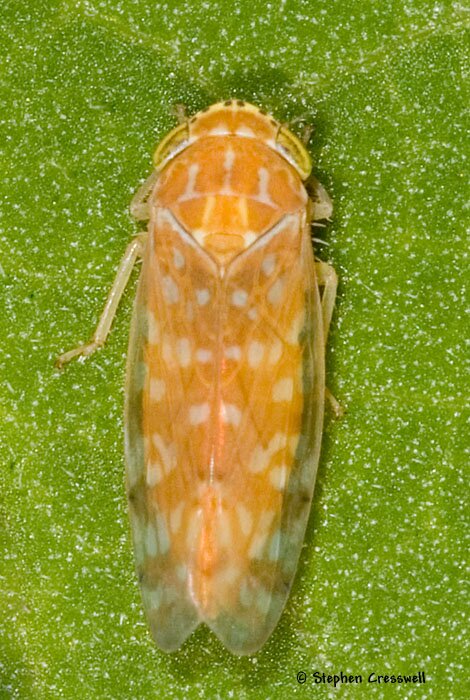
column 320, row 201
column 139, row 205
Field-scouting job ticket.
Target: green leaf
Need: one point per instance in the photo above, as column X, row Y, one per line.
column 86, row 92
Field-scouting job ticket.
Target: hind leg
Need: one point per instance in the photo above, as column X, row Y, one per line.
column 328, row 282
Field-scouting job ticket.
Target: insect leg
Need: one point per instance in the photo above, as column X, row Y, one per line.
column 133, row 251
column 328, row 282
column 307, row 129
column 179, row 111
column 139, row 205
column 322, row 206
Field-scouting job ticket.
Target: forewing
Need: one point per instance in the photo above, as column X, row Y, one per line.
column 223, row 425
column 169, row 391
column 272, row 381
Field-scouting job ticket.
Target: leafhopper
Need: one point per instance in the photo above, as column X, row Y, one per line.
column 225, row 378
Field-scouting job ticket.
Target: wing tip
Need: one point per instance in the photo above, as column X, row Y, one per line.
column 171, row 621
column 244, row 637
column 169, row 637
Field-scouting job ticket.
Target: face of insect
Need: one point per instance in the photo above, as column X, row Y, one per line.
column 225, row 380
column 236, row 118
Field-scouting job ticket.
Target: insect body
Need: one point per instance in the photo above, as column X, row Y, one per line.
column 225, row 374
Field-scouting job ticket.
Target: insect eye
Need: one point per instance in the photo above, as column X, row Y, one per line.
column 172, row 144
column 295, row 152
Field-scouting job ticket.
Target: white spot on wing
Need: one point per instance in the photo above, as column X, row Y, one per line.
column 167, row 453
column 202, row 296
column 183, row 351
column 200, row 235
column 233, row 352
column 275, row 292
column 278, row 477
column 203, row 355
column 239, row 297
column 283, row 390
column 255, row 353
column 178, row 259
column 269, row 264
column 230, row 414
column 157, row 389
column 259, row 460
column 245, row 518
column 278, row 442
column 230, row 574
column 257, row 545
column 261, row 457
column 199, row 413
column 293, row 443
column 154, row 473
column 170, row 290
column 153, row 329
column 275, row 352
column 249, row 237
column 292, row 336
